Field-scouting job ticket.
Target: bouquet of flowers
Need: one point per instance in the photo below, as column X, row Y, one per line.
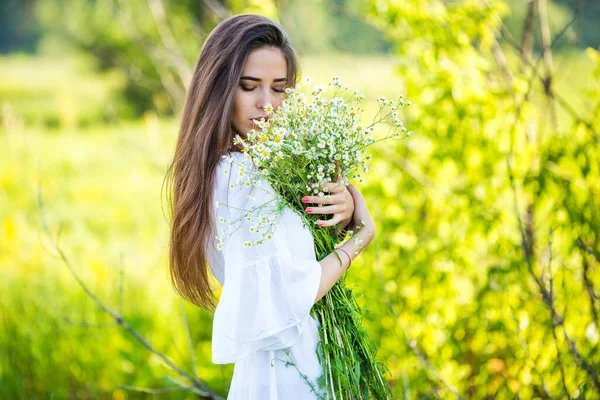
column 309, row 140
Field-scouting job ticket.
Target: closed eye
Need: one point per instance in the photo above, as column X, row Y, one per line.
column 245, row 89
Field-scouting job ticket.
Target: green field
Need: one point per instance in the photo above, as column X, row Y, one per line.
column 444, row 273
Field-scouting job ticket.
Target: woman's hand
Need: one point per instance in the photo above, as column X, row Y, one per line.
column 361, row 214
column 338, row 202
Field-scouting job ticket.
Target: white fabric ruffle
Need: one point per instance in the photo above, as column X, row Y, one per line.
column 268, row 289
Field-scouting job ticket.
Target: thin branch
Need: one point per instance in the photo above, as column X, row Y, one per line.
column 555, row 95
column 152, row 391
column 217, row 9
column 548, row 63
column 558, row 354
column 188, row 336
column 578, row 13
column 157, row 58
column 199, row 385
column 591, row 371
column 547, row 299
column 581, row 244
column 501, row 61
column 121, row 284
column 191, row 388
column 589, row 287
column 587, row 282
column 177, row 59
column 509, row 38
column 546, row 39
column 527, row 41
column 83, row 324
column 525, row 347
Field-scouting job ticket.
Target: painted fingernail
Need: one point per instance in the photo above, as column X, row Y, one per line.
column 320, row 224
column 304, row 199
column 308, row 210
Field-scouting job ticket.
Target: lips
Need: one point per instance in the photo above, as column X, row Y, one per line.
column 258, row 118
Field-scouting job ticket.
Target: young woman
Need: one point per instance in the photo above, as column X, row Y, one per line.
column 262, row 321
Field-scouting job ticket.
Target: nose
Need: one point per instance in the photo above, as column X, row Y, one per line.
column 264, row 97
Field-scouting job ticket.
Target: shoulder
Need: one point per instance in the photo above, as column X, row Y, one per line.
column 227, row 167
column 237, row 176
column 233, row 162
column 239, row 179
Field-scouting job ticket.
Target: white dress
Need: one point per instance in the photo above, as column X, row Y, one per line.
column 268, row 291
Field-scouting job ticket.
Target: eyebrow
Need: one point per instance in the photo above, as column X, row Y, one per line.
column 251, row 78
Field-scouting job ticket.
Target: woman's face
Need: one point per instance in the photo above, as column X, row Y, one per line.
column 263, row 81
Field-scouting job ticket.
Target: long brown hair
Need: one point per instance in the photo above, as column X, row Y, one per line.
column 205, row 135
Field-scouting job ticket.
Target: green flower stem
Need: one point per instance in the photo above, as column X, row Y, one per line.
column 348, row 353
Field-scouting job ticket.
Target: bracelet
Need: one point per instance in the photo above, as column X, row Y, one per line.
column 349, row 258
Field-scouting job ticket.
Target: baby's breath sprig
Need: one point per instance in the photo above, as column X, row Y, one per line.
column 320, row 131
column 352, row 234
column 262, row 217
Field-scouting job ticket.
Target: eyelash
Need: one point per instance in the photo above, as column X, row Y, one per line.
column 245, row 89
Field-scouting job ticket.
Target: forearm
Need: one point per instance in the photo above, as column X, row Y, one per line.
column 331, row 270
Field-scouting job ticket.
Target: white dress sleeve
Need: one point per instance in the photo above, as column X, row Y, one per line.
column 268, row 289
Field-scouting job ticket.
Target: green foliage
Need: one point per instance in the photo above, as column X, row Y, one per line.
column 59, row 91
column 558, row 16
column 17, row 28
column 584, row 33
column 331, row 26
column 101, row 201
column 152, row 43
column 446, row 284
column 460, row 246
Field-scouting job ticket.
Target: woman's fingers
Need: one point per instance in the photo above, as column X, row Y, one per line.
column 330, row 222
column 335, row 187
column 335, row 209
column 339, row 203
column 326, row 199
column 331, row 187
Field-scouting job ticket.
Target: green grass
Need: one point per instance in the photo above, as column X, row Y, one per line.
column 101, row 189
column 56, row 92
column 101, row 185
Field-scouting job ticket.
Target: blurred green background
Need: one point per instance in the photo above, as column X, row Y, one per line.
column 483, row 280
